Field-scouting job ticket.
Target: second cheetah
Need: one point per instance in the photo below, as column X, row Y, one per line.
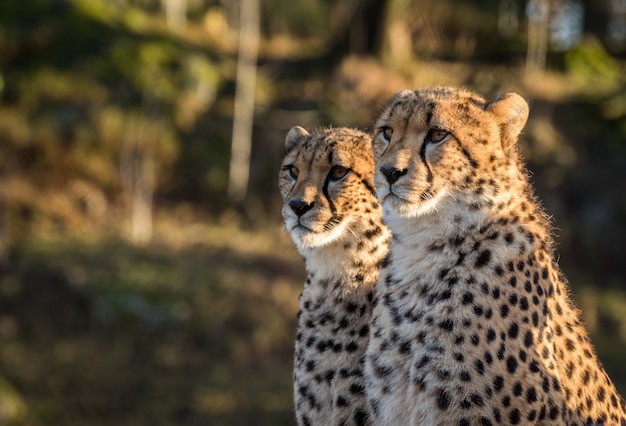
column 473, row 323
column 332, row 213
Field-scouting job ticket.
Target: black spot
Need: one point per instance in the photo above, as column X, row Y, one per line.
column 465, row 376
column 514, row 416
column 444, row 400
column 468, row 298
column 498, row 383
column 483, row 258
column 523, row 304
column 495, row 293
column 464, row 422
column 382, row 371
column 479, row 366
column 341, row 402
column 517, row 389
column 500, row 353
column 504, row 311
column 506, row 400
column 484, row 421
column 405, row 347
column 360, row 418
column 513, row 281
column 356, row 389
column 513, row 331
column 322, row 346
column 554, row 412
column 443, row 273
column 528, row 339
column 535, row 319
column 511, row 364
column 531, row 395
column 364, row 330
column 425, row 360
column 446, row 325
column 491, row 335
column 528, row 286
column 477, row 399
column 352, row 347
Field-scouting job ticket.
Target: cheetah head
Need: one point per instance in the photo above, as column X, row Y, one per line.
column 326, row 183
column 439, row 144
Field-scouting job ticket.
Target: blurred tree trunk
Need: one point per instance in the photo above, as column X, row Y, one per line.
column 175, row 13
column 243, row 119
column 538, row 12
column 508, row 21
column 138, row 170
column 397, row 41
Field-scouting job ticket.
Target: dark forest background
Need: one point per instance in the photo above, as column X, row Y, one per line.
column 145, row 278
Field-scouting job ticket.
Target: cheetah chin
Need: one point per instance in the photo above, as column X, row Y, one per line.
column 306, row 238
column 394, row 204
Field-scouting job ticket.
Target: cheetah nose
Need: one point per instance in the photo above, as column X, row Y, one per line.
column 392, row 174
column 300, row 207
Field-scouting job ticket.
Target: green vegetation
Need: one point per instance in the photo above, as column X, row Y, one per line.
column 106, row 108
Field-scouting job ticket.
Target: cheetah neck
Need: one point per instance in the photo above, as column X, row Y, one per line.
column 469, row 217
column 351, row 262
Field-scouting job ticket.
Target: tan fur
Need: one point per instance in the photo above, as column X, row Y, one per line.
column 336, row 225
column 472, row 323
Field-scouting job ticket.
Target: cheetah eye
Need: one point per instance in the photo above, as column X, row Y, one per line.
column 337, row 172
column 387, row 133
column 292, row 170
column 436, row 135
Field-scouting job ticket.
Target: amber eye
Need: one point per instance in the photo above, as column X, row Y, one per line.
column 436, row 135
column 387, row 133
column 292, row 170
column 337, row 172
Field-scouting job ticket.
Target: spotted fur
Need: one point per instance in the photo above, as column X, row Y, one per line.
column 332, row 213
column 473, row 323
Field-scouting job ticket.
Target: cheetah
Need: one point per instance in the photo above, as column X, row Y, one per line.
column 335, row 220
column 472, row 322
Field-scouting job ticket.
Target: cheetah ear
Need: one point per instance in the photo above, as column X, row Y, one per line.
column 294, row 137
column 512, row 112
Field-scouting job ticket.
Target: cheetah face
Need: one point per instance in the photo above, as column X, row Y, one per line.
column 326, row 183
column 439, row 144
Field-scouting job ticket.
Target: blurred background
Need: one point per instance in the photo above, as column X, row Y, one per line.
column 145, row 278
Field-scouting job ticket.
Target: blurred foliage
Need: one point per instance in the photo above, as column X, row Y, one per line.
column 101, row 334
column 197, row 328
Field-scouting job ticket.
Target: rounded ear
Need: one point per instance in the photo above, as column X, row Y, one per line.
column 294, row 137
column 512, row 112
